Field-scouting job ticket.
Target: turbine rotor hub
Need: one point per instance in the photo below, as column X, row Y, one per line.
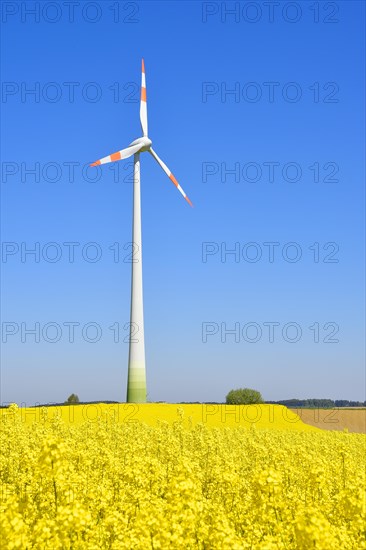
column 144, row 141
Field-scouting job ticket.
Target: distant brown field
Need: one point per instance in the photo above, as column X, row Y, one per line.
column 335, row 419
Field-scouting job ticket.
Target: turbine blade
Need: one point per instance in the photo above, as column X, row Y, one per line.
column 143, row 104
column 123, row 154
column 169, row 174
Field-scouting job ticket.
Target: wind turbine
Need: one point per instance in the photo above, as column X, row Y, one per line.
column 136, row 383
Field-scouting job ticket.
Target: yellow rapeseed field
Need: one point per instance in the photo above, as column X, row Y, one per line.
column 262, row 416
column 184, row 477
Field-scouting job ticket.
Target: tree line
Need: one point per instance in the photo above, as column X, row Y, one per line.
column 318, row 403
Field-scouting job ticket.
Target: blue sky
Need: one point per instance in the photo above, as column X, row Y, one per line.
column 291, row 133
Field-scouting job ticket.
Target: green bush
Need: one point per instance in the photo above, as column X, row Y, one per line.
column 73, row 399
column 243, row 396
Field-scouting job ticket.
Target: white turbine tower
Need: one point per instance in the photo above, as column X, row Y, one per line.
column 136, row 384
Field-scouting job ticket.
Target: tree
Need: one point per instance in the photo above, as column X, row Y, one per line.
column 73, row 399
column 243, row 396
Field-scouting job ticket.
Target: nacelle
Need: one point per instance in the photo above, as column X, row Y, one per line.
column 144, row 141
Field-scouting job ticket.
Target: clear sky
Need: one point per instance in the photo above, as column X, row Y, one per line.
column 258, row 109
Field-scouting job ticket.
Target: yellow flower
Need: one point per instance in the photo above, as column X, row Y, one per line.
column 211, row 479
